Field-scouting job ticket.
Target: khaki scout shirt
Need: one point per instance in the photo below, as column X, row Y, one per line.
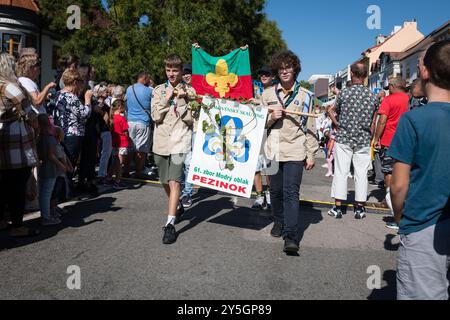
column 287, row 141
column 173, row 121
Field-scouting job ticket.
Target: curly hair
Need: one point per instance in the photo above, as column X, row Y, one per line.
column 286, row 59
column 7, row 67
column 26, row 63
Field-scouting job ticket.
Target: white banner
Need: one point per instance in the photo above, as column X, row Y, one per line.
column 227, row 146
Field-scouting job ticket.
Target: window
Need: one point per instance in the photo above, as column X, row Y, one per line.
column 11, row 43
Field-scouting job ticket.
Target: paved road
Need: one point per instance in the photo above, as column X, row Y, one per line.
column 224, row 251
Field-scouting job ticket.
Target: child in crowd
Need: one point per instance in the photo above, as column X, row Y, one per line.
column 49, row 170
column 331, row 134
column 120, row 141
column 61, row 186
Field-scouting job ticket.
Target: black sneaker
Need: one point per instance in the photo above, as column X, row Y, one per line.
column 290, row 246
column 277, row 230
column 170, row 234
column 360, row 213
column 180, row 213
column 186, row 201
column 335, row 212
column 92, row 190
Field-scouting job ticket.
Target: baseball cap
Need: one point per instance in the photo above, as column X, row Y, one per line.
column 396, row 82
column 187, row 67
column 265, row 70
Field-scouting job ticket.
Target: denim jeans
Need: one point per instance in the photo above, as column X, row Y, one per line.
column 46, row 186
column 106, row 154
column 188, row 189
column 285, row 197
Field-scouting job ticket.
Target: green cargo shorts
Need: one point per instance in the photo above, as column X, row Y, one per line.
column 170, row 168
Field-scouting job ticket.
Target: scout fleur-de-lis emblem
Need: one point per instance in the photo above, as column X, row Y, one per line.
column 222, row 81
column 228, row 145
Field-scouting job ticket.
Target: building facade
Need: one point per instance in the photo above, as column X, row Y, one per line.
column 20, row 27
column 405, row 63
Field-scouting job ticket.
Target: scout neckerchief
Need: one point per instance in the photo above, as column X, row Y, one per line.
column 291, row 98
column 172, row 101
column 293, row 95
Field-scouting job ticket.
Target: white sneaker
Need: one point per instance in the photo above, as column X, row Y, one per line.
column 268, row 198
column 259, row 203
column 325, row 166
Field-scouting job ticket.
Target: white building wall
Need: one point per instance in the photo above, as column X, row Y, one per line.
column 410, row 62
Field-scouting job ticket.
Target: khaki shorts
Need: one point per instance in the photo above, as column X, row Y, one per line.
column 170, row 168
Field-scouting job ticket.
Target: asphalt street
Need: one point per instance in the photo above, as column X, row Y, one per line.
column 224, row 251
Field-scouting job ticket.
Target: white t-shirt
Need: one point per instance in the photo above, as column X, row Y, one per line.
column 31, row 87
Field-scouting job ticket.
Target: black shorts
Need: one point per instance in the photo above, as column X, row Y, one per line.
column 387, row 162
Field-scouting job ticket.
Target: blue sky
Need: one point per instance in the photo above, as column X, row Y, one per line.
column 329, row 34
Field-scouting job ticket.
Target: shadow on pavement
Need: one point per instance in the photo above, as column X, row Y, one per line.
column 204, row 210
column 308, row 216
column 390, row 291
column 242, row 217
column 78, row 212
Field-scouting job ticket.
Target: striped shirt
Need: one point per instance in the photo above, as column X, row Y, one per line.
column 17, row 137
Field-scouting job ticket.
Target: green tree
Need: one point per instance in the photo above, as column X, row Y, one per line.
column 306, row 85
column 119, row 47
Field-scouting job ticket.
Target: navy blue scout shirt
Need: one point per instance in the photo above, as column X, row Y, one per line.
column 422, row 140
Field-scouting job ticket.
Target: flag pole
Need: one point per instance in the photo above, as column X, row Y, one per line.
column 297, row 113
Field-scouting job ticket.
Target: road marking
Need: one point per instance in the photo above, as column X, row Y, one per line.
column 317, row 202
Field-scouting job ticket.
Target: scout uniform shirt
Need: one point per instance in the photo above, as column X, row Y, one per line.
column 291, row 138
column 173, row 121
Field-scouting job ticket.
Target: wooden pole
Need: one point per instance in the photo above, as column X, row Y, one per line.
column 297, row 113
column 11, row 46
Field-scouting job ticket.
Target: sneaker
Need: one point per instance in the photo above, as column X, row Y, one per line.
column 180, row 213
column 259, row 203
column 108, row 182
column 335, row 212
column 186, row 201
column 267, row 195
column 329, row 174
column 61, row 210
column 290, row 246
column 50, row 222
column 375, row 183
column 54, row 213
column 119, row 185
column 392, row 225
column 277, row 230
column 170, row 234
column 325, row 166
column 360, row 213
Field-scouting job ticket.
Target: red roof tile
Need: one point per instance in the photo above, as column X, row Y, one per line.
column 25, row 4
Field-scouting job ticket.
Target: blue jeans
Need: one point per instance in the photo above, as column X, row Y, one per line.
column 188, row 187
column 285, row 197
column 46, row 186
